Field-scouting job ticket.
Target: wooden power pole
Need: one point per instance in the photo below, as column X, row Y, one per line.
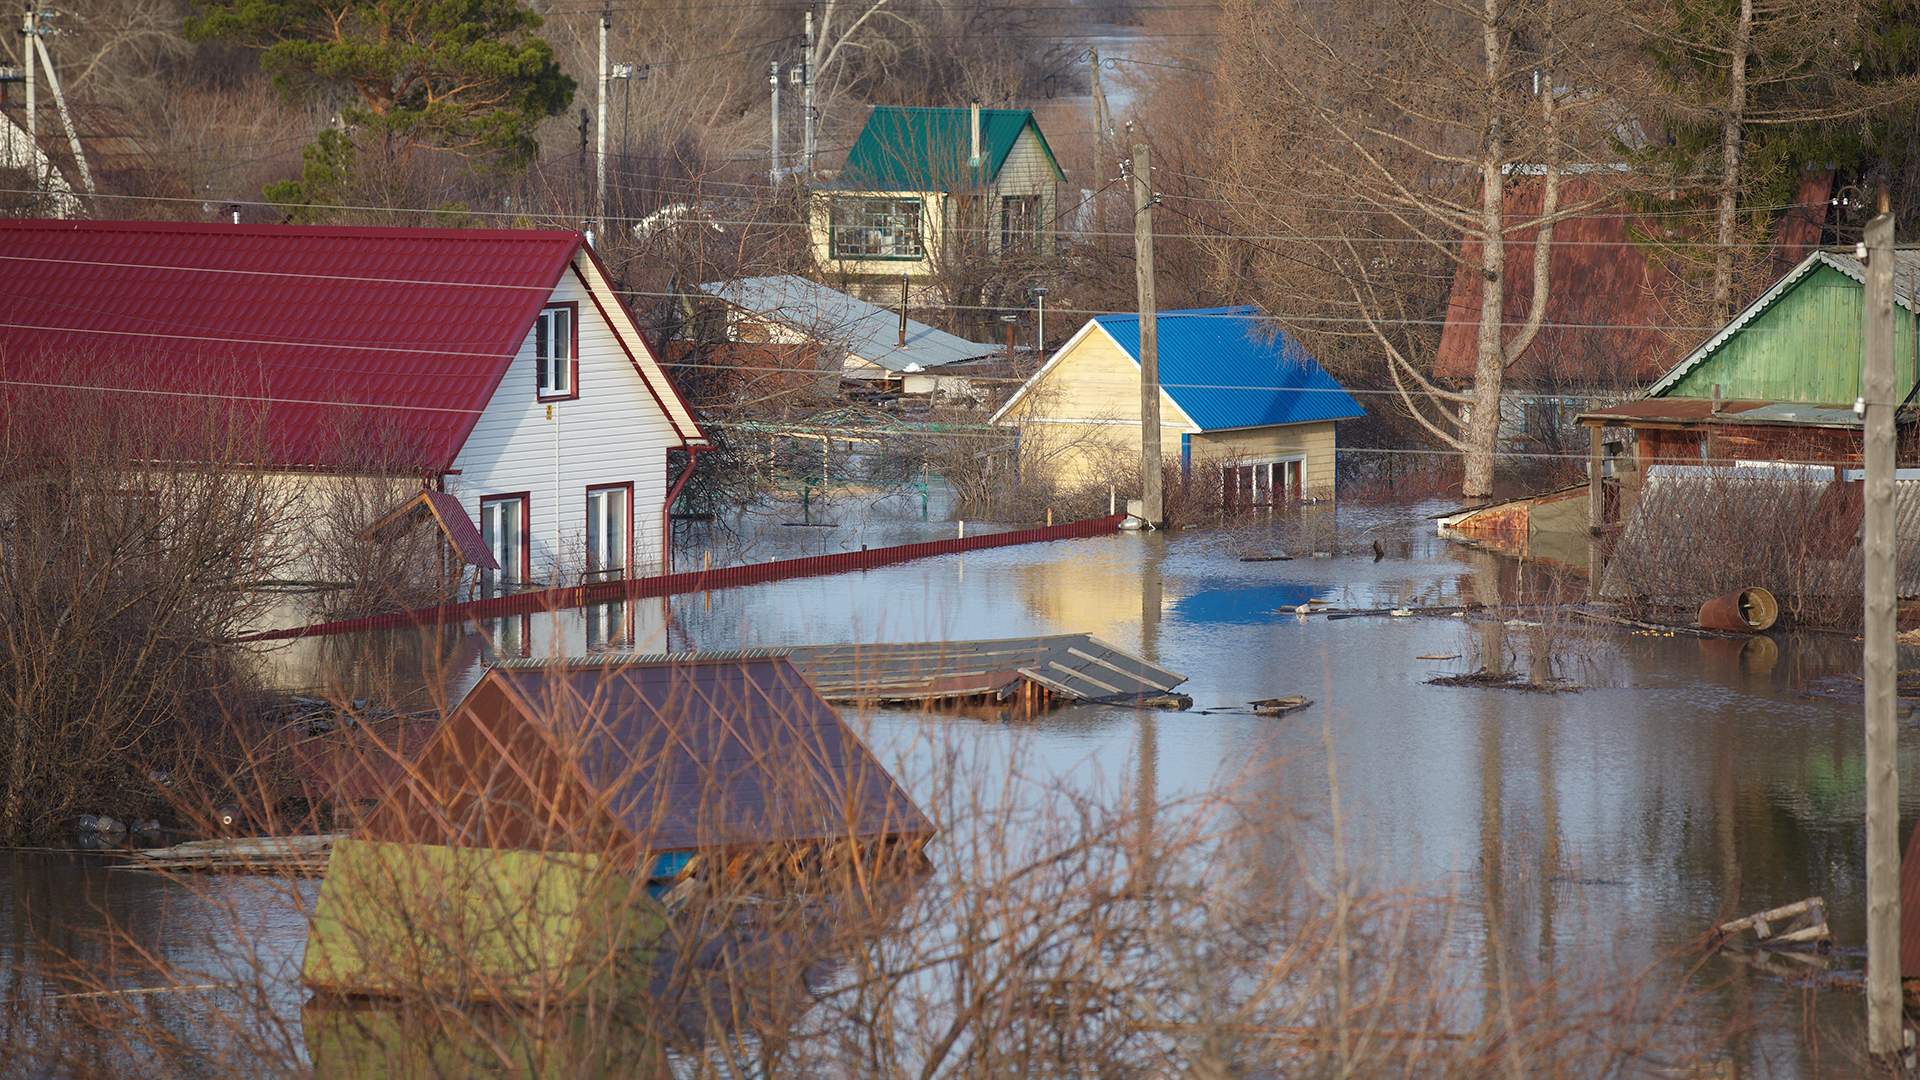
column 1149, row 337
column 1884, row 1038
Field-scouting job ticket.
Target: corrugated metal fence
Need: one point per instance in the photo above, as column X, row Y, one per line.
column 725, row 577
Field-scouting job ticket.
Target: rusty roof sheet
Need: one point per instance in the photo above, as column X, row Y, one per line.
column 669, row 753
column 1691, row 411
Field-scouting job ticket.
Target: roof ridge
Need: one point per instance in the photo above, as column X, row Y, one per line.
column 218, row 228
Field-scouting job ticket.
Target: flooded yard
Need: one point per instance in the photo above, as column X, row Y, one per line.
column 1598, row 832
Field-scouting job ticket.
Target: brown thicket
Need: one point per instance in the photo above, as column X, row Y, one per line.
column 135, row 541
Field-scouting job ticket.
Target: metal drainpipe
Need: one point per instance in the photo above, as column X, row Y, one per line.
column 666, row 511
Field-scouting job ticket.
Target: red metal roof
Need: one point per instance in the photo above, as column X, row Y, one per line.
column 461, row 533
column 338, row 334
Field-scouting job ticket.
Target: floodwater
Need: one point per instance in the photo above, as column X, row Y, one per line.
column 1603, row 829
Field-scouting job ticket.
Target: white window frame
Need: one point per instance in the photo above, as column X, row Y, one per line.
column 609, row 532
column 556, row 348
column 503, row 528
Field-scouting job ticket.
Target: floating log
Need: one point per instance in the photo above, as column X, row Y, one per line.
column 1804, row 923
column 306, row 854
column 1279, row 706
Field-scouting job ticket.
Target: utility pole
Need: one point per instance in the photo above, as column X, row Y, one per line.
column 600, row 123
column 586, row 130
column 30, row 33
column 806, row 99
column 1884, row 1039
column 1102, row 132
column 1143, row 200
column 773, row 165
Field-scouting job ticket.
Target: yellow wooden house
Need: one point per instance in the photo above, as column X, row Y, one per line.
column 1239, row 400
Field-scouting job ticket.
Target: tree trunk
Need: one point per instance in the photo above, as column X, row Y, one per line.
column 1730, row 164
column 1483, row 426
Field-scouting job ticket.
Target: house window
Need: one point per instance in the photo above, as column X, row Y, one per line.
column 556, row 351
column 1019, row 222
column 503, row 528
column 869, row 228
column 609, row 530
column 1263, row 485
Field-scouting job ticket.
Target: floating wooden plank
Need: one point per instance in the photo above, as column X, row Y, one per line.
column 1070, row 667
column 1800, row 923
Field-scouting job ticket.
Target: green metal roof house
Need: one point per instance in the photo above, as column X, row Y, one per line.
column 925, row 184
column 1800, row 341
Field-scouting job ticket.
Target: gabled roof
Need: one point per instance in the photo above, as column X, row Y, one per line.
column 672, row 752
column 835, row 319
column 1906, row 285
column 449, row 515
column 334, row 333
column 1224, row 367
column 911, row 148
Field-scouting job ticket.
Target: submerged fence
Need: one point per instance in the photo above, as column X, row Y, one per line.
column 691, row 581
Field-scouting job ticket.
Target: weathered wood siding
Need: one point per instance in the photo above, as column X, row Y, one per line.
column 613, row 434
column 1805, row 347
column 1028, row 171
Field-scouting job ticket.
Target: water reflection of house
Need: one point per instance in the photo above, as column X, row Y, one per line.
column 497, row 365
column 1241, row 403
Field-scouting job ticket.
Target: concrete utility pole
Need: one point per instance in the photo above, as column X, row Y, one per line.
column 1143, row 200
column 600, row 123
column 30, row 33
column 773, row 165
column 806, row 99
column 1884, row 1039
column 1102, row 132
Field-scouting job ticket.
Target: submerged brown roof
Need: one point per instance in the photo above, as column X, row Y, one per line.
column 665, row 753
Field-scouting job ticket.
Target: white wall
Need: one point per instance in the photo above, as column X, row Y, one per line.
column 614, row 433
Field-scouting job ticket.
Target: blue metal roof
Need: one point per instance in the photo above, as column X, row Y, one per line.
column 1227, row 367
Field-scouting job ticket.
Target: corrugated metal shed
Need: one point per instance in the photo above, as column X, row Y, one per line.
column 664, row 753
column 842, row 322
column 906, row 148
column 1228, row 367
column 328, row 331
column 1074, row 667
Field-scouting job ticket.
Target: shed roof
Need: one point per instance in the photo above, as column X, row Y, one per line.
column 914, row 148
column 326, row 330
column 671, row 752
column 451, row 517
column 1691, row 412
column 1906, row 285
column 831, row 317
column 1228, row 367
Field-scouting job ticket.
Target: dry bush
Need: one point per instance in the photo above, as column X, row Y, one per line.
column 1714, row 530
column 134, row 544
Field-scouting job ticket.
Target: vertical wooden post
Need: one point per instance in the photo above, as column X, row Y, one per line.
column 1883, row 782
column 1149, row 337
column 1596, row 488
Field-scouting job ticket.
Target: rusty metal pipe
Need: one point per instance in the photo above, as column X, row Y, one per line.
column 1743, row 611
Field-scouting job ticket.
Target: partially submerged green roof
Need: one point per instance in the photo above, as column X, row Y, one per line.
column 912, row 148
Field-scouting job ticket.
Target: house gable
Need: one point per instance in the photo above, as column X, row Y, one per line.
column 616, row 431
column 1090, row 380
column 1799, row 342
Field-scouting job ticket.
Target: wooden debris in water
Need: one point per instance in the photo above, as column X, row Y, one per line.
column 1799, row 924
column 1506, row 680
column 1438, row 656
column 1278, row 706
column 294, row 854
column 1265, row 556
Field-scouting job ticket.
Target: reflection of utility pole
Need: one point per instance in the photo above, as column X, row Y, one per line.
column 1148, row 786
column 1883, row 783
column 1143, row 200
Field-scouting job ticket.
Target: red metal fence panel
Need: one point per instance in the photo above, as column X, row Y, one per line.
column 725, row 577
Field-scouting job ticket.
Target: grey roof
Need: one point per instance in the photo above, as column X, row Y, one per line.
column 866, row 331
column 1074, row 667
